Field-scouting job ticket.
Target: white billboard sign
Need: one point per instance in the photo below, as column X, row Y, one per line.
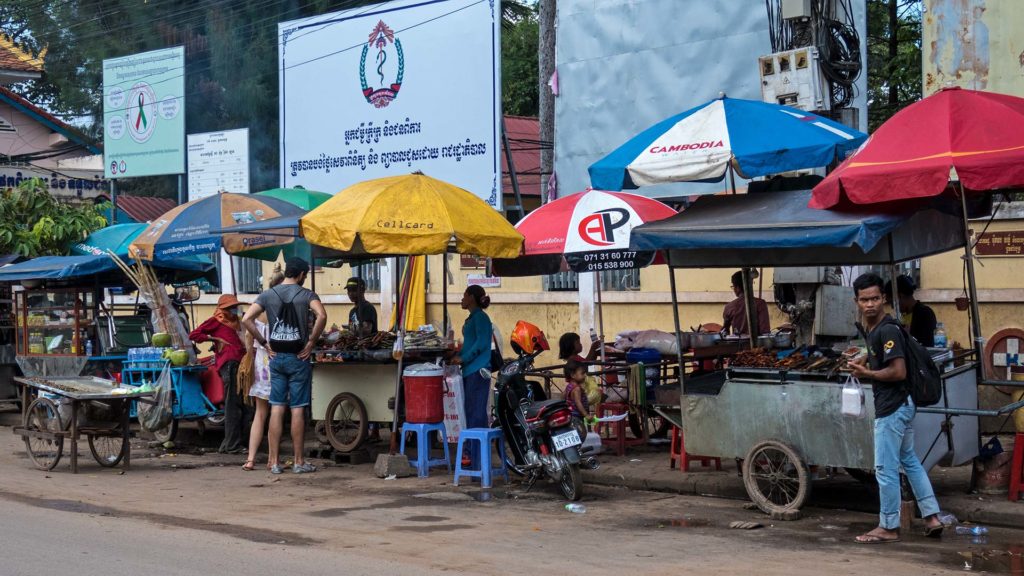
column 144, row 114
column 391, row 89
column 218, row 161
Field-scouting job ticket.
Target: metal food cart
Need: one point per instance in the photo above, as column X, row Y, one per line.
column 95, row 408
column 787, row 426
column 359, row 390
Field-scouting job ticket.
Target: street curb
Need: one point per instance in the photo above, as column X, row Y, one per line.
column 987, row 510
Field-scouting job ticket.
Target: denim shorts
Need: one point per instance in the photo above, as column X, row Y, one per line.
column 291, row 380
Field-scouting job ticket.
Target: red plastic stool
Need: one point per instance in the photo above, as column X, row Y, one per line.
column 1017, row 468
column 677, row 450
column 619, row 440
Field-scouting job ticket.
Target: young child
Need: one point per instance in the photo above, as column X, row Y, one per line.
column 576, row 389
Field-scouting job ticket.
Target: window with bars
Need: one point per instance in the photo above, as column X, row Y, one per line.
column 370, row 273
column 611, row 280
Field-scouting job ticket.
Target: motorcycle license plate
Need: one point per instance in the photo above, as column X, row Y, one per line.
column 566, row 440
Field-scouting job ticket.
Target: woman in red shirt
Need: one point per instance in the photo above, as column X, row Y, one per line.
column 224, row 330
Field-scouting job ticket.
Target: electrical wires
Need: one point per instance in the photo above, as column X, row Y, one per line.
column 831, row 29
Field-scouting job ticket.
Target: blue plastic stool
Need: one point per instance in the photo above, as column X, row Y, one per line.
column 423, row 462
column 484, row 470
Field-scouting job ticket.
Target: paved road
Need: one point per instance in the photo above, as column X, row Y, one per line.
column 199, row 514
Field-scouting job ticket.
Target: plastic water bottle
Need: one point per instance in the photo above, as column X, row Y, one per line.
column 972, row 530
column 576, row 508
column 940, row 336
column 88, row 347
column 593, row 335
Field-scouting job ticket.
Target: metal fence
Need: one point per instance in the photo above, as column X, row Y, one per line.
column 611, row 280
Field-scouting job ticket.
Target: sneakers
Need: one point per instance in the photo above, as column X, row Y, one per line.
column 276, row 469
column 304, row 468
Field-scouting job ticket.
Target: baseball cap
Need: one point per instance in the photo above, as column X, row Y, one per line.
column 355, row 282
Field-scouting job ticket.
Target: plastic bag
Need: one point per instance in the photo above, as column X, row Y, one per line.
column 454, row 410
column 663, row 342
column 158, row 415
column 853, row 398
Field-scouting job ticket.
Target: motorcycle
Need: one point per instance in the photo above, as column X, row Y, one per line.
column 543, row 437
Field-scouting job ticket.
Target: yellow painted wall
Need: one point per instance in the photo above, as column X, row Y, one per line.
column 973, row 44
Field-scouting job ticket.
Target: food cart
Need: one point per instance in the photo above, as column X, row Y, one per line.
column 354, row 382
column 785, row 420
column 59, row 408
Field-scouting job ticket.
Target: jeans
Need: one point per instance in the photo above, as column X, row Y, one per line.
column 291, row 381
column 894, row 447
column 476, row 388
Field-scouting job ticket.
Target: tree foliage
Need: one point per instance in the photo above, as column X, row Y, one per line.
column 34, row 223
column 519, row 52
column 894, row 57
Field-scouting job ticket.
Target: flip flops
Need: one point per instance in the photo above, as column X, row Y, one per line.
column 248, row 466
column 933, row 531
column 872, row 539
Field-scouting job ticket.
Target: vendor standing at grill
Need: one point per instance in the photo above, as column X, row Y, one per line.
column 734, row 316
column 362, row 319
column 916, row 316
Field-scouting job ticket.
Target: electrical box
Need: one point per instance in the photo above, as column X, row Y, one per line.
column 802, row 275
column 792, row 9
column 793, row 78
column 835, row 311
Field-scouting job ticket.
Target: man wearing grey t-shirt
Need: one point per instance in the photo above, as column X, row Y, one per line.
column 290, row 345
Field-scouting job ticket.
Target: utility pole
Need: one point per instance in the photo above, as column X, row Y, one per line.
column 546, row 64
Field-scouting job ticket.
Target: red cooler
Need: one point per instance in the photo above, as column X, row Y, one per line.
column 424, row 393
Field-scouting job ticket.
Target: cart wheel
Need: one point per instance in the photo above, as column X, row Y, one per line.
column 42, row 416
column 345, row 422
column 775, row 477
column 215, row 420
column 167, row 433
column 320, row 431
column 108, row 450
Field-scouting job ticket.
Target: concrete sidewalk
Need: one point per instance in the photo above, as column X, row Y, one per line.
column 647, row 468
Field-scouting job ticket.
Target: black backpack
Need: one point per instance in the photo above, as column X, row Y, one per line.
column 923, row 375
column 286, row 333
column 924, row 379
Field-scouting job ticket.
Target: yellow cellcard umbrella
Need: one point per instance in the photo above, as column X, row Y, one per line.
column 411, row 214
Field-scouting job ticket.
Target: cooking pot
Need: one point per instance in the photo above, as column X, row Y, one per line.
column 685, row 340
column 783, row 340
column 765, row 342
column 704, row 339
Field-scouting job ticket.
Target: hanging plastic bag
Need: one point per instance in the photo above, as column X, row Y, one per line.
column 158, row 415
column 454, row 410
column 853, row 398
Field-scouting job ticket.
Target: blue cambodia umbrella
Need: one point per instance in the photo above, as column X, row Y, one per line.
column 754, row 138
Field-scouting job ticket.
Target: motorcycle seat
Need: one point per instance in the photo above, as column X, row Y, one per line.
column 538, row 409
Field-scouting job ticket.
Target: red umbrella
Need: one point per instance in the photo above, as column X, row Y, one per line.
column 589, row 229
column 975, row 138
column 980, row 135
column 584, row 232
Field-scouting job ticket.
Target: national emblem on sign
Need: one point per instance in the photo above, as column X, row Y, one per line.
column 383, row 41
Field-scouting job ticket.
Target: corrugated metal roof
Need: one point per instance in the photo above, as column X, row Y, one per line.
column 12, row 57
column 143, row 208
column 524, row 140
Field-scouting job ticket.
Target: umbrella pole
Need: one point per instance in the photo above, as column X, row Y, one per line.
column 732, row 178
column 748, row 303
column 600, row 313
column 972, row 287
column 231, row 267
column 675, row 318
column 393, row 448
column 444, row 295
